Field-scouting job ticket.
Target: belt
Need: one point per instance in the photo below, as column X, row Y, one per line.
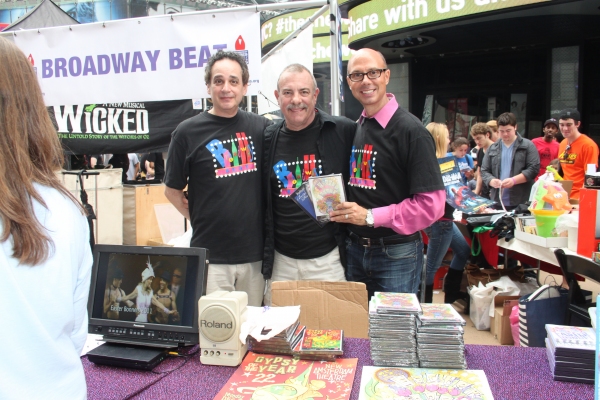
column 384, row 241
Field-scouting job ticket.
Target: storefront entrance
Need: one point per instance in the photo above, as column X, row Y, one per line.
column 461, row 91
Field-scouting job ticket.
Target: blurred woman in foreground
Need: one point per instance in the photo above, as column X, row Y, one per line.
column 45, row 257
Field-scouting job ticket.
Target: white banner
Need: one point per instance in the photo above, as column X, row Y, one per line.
column 298, row 50
column 139, row 59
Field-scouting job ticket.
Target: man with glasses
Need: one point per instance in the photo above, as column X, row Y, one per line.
column 395, row 188
column 576, row 150
column 510, row 165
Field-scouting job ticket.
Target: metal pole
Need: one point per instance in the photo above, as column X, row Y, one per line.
column 294, row 34
column 334, row 64
column 96, row 201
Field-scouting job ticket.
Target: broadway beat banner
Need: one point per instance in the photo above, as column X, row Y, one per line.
column 139, row 59
column 109, row 128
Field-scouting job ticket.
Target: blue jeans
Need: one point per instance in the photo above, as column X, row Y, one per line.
column 393, row 268
column 443, row 235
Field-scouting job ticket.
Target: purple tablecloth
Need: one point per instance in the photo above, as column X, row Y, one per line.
column 513, row 373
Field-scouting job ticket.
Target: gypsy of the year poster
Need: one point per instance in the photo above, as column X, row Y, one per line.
column 267, row 376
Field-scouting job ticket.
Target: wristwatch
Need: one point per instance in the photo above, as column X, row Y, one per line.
column 370, row 220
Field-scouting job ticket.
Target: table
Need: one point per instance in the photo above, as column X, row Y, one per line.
column 545, row 254
column 512, row 372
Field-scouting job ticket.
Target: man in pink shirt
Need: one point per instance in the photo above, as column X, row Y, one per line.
column 395, row 187
column 547, row 145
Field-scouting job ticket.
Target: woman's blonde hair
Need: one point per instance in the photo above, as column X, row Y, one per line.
column 440, row 137
column 30, row 152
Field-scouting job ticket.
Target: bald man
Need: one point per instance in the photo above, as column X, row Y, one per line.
column 395, row 188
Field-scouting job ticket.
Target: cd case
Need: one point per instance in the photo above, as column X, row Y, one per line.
column 319, row 195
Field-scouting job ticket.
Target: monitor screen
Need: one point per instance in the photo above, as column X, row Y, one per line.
column 147, row 295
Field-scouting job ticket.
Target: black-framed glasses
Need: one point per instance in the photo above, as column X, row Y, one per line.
column 566, row 152
column 372, row 74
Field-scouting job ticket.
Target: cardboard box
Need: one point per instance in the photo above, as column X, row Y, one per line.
column 139, row 218
column 157, row 242
column 326, row 305
column 500, row 322
column 542, row 241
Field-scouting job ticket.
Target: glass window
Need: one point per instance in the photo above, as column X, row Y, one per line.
column 565, row 78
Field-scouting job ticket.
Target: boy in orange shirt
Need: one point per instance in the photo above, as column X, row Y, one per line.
column 575, row 151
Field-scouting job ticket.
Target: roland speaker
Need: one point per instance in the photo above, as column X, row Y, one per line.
column 221, row 315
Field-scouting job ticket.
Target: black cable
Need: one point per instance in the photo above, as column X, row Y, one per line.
column 266, row 98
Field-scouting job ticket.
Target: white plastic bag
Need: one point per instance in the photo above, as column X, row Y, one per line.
column 547, row 176
column 481, row 301
column 183, row 240
column 566, row 221
column 503, row 286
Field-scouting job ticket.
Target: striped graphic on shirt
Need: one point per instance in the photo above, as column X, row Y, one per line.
column 362, row 167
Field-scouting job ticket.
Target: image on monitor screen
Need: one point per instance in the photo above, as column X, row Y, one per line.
column 148, row 289
column 147, row 294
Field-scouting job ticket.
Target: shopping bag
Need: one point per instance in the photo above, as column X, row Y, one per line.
column 481, row 301
column 547, row 305
column 514, row 324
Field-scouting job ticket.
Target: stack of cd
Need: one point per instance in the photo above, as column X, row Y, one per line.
column 440, row 342
column 392, row 318
column 282, row 343
column 320, row 345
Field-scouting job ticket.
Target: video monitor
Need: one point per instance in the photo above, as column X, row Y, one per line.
column 147, row 295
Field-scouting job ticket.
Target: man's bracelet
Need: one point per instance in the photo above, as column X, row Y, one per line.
column 514, row 181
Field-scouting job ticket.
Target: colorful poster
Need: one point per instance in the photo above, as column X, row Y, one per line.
column 458, row 195
column 266, row 376
column 421, row 383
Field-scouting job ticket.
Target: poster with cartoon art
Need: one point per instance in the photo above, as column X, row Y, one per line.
column 267, row 376
column 458, row 195
column 422, row 383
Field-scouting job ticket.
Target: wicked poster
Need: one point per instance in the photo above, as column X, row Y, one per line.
column 113, row 128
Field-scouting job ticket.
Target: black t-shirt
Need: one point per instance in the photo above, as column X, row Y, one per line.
column 390, row 165
column 143, row 157
column 219, row 156
column 297, row 158
column 159, row 164
column 120, row 161
column 485, row 190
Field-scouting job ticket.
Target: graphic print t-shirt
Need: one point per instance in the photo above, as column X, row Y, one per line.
column 219, row 155
column 390, row 165
column 296, row 159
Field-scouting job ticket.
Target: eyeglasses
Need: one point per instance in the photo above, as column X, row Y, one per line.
column 372, row 74
column 566, row 153
column 176, row 276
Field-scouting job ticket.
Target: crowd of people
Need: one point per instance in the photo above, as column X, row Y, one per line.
column 231, row 173
column 388, row 161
